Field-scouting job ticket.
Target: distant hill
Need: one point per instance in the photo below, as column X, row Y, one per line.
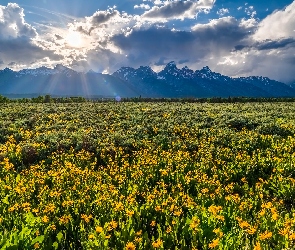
column 129, row 82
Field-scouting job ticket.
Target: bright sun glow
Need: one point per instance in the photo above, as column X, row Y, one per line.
column 74, row 39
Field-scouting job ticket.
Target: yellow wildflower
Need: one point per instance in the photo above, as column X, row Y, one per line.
column 265, row 235
column 112, row 225
column 251, row 230
column 194, row 223
column 98, row 229
column 292, row 236
column 158, row 243
column 214, row 209
column 284, row 231
column 243, row 224
column 158, row 208
column 257, row 246
column 218, row 232
column 220, row 217
column 64, row 219
column 86, row 218
column 138, row 239
column 177, row 213
column 214, row 243
column 168, row 230
column 275, row 216
column 153, row 223
column 45, row 219
column 129, row 213
column 91, row 236
column 262, row 212
column 11, row 209
column 130, row 246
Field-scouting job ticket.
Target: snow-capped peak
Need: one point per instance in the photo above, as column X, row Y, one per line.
column 207, row 69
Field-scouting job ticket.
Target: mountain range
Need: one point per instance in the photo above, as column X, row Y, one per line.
column 171, row 82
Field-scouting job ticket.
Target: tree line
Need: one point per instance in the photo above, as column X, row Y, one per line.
column 79, row 99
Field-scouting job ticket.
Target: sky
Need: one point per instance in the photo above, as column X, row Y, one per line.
column 235, row 38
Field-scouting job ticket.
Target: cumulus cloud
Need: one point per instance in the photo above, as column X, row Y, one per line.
column 100, row 60
column 100, row 17
column 268, row 51
column 275, row 64
column 227, row 45
column 97, row 20
column 178, row 9
column 142, row 6
column 12, row 23
column 272, row 58
column 18, row 47
column 202, row 42
column 104, row 23
column 280, row 24
column 109, row 39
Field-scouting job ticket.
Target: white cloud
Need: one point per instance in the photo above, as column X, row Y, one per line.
column 222, row 12
column 269, row 49
column 203, row 45
column 275, row 64
column 280, row 24
column 155, row 2
column 250, row 11
column 19, row 45
column 12, row 23
column 101, row 41
column 142, row 6
column 179, row 10
column 250, row 23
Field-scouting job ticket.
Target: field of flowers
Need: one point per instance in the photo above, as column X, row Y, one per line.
column 147, row 176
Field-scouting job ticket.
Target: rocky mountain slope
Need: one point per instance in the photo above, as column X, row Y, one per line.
column 130, row 82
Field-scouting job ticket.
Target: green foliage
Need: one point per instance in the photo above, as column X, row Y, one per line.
column 136, row 175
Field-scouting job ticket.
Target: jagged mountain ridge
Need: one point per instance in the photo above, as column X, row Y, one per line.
column 62, row 81
column 129, row 82
column 175, row 82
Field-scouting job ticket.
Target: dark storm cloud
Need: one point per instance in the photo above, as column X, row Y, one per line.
column 98, row 19
column 153, row 40
column 219, row 36
column 240, row 47
column 58, row 37
column 103, row 16
column 291, row 61
column 226, row 31
column 170, row 10
column 268, row 44
column 22, row 50
column 161, row 61
column 183, row 61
